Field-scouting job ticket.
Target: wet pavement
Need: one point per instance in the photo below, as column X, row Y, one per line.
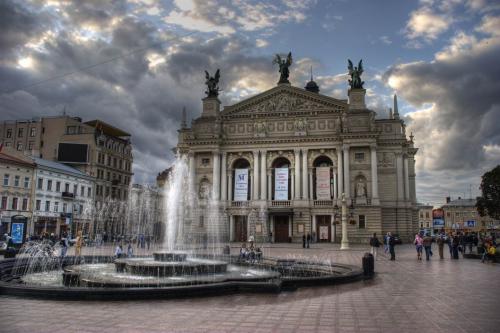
column 406, row 295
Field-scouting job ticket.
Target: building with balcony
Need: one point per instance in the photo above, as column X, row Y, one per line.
column 63, row 199
column 16, row 188
column 278, row 163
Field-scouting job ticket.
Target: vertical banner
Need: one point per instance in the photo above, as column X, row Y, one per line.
column 281, row 184
column 323, row 183
column 17, row 233
column 240, row 184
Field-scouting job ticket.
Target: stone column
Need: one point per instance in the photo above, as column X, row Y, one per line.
column 263, row 175
column 231, row 228
column 311, row 192
column 375, row 199
column 297, row 175
column 216, row 176
column 347, row 178
column 292, row 189
column 340, row 172
column 255, row 186
column 406, row 177
column 336, row 182
column 192, row 168
column 314, row 226
column 305, row 187
column 270, row 186
column 224, row 177
column 399, row 174
column 230, row 185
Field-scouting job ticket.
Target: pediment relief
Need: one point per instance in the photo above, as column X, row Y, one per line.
column 286, row 99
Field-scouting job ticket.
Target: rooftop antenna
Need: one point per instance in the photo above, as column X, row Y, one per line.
column 311, row 72
column 396, row 110
column 183, row 121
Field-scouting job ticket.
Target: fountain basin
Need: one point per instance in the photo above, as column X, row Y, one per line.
column 170, row 256
column 191, row 266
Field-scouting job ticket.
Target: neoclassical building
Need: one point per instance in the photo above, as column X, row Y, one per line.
column 278, row 163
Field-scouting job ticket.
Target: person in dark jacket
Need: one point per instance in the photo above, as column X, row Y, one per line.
column 308, row 240
column 455, row 243
column 304, row 241
column 427, row 246
column 392, row 243
column 375, row 244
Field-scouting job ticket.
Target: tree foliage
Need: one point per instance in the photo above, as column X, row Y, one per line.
column 489, row 203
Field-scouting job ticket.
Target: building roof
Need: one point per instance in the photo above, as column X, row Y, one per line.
column 59, row 167
column 6, row 157
column 461, row 203
column 107, row 128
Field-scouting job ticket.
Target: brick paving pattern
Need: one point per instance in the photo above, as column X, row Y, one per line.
column 405, row 296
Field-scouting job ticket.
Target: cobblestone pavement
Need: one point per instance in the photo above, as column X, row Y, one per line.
column 405, row 296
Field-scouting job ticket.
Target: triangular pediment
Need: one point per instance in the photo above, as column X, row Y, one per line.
column 285, row 98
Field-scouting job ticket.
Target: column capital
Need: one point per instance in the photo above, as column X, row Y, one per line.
column 263, row 151
column 304, row 150
column 373, row 146
column 255, row 152
column 345, row 147
column 296, row 151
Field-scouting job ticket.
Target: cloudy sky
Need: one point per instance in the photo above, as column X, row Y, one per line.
column 136, row 64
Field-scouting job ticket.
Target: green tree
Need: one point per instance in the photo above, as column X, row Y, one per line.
column 489, row 203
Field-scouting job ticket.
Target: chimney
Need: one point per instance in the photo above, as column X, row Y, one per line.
column 448, row 199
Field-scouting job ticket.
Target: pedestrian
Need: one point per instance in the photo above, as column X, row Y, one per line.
column 489, row 253
column 130, row 250
column 148, row 241
column 308, row 239
column 303, row 241
column 440, row 242
column 392, row 243
column 78, row 243
column 375, row 244
column 119, row 251
column 449, row 240
column 313, row 237
column 418, row 245
column 427, row 242
column 455, row 243
column 386, row 242
column 64, row 244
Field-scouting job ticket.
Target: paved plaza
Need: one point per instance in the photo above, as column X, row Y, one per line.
column 405, row 296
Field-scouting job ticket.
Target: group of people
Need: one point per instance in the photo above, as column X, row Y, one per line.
column 119, row 253
column 306, row 240
column 389, row 244
column 250, row 253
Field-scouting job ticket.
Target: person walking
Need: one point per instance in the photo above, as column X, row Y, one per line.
column 308, row 239
column 392, row 243
column 386, row 242
column 449, row 240
column 418, row 245
column 375, row 244
column 455, row 243
column 303, row 241
column 78, row 243
column 118, row 251
column 64, row 245
column 130, row 250
column 440, row 242
column 427, row 242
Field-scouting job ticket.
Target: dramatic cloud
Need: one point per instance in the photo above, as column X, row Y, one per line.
column 456, row 125
column 426, row 24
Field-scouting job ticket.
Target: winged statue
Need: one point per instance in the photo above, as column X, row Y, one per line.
column 212, row 84
column 355, row 73
column 283, row 66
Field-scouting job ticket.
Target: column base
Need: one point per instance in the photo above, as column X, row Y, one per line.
column 344, row 245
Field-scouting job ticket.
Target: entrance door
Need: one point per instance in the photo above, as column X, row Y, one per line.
column 240, row 228
column 324, row 228
column 281, row 229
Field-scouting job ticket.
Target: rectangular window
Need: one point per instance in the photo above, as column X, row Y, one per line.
column 26, row 182
column 120, row 164
column 38, row 204
column 66, row 187
column 56, row 207
column 47, row 206
column 71, row 130
column 89, row 191
column 16, row 181
column 6, row 179
column 107, row 191
column 9, row 133
column 65, row 207
column 201, row 221
column 32, row 131
column 361, row 222
column 109, row 160
column 114, row 162
column 108, row 176
column 14, row 203
column 421, row 215
column 49, row 185
column 19, row 146
column 81, row 209
column 20, row 132
column 4, row 203
column 75, row 189
column 31, row 144
column 58, row 186
column 25, row 204
column 82, row 190
column 359, row 157
column 40, row 183
column 8, row 144
column 205, row 161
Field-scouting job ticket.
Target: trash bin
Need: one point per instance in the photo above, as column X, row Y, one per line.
column 368, row 265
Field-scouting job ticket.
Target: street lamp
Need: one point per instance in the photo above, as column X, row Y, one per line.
column 336, row 218
column 344, row 244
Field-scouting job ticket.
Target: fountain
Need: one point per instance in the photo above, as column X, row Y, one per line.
column 190, row 261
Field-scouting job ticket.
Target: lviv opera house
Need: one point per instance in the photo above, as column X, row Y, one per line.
column 279, row 163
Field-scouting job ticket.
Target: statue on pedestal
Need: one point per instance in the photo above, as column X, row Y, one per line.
column 212, row 84
column 355, row 73
column 360, row 189
column 283, row 65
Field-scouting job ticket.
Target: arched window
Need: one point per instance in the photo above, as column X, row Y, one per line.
column 240, row 184
column 326, row 191
column 281, row 162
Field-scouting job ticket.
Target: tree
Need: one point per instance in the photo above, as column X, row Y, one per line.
column 489, row 203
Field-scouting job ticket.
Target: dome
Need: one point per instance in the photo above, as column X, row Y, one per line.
column 312, row 86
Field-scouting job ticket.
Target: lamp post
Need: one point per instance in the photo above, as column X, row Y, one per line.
column 344, row 244
column 336, row 218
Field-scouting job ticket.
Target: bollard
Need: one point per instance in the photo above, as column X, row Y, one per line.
column 368, row 265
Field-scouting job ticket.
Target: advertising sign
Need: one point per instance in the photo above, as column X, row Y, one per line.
column 470, row 224
column 17, row 232
column 323, row 183
column 323, row 232
column 438, row 222
column 240, row 184
column 281, row 184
